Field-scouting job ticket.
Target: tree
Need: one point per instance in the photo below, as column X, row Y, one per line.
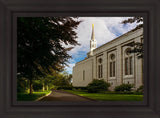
column 67, row 76
column 39, row 44
column 137, row 46
column 62, row 79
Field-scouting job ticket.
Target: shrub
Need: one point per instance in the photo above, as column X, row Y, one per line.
column 97, row 86
column 140, row 89
column 53, row 87
column 123, row 87
column 80, row 88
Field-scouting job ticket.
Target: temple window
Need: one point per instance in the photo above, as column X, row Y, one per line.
column 128, row 63
column 112, row 65
column 100, row 68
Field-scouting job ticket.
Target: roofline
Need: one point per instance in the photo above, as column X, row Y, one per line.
column 117, row 38
column 110, row 42
column 83, row 60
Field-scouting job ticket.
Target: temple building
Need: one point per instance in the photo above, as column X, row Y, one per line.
column 111, row 62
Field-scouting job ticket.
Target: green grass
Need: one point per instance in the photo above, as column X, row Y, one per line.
column 33, row 97
column 108, row 96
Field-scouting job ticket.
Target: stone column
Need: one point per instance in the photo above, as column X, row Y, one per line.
column 119, row 65
column 105, row 66
column 94, row 68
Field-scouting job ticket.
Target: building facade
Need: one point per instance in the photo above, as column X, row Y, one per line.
column 111, row 62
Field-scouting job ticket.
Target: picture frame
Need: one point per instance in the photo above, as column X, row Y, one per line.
column 10, row 10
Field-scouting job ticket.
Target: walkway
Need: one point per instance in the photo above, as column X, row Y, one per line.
column 58, row 95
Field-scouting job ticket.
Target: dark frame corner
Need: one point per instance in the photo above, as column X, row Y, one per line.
column 10, row 10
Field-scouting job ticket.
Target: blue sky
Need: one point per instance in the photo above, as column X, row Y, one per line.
column 106, row 29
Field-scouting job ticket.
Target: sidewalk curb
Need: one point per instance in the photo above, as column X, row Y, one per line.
column 43, row 96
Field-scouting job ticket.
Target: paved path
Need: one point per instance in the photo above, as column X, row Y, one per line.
column 58, row 95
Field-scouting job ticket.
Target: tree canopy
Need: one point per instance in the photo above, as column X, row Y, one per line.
column 40, row 44
column 137, row 46
column 136, row 19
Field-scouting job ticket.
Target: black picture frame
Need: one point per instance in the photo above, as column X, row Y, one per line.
column 11, row 9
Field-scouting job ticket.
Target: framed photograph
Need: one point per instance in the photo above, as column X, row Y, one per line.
column 113, row 71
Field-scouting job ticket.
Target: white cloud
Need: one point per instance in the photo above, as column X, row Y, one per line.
column 105, row 30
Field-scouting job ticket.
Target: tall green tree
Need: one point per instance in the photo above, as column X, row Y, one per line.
column 39, row 44
column 137, row 46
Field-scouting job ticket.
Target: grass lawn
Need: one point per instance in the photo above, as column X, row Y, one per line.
column 28, row 97
column 108, row 96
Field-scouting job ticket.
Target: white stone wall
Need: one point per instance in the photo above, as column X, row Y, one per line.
column 118, row 48
column 79, row 78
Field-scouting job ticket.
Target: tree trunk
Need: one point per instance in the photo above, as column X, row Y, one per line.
column 142, row 72
column 31, row 87
column 43, row 87
column 47, row 87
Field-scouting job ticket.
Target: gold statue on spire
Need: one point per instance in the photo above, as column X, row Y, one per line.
column 92, row 25
column 92, row 37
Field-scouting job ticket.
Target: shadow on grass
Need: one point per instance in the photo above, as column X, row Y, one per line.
column 108, row 96
column 31, row 97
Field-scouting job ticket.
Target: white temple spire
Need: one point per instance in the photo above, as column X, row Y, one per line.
column 93, row 42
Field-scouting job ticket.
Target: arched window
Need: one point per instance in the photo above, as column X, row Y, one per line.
column 100, row 68
column 128, row 62
column 83, row 74
column 112, row 65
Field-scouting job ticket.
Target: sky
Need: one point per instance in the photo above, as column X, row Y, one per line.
column 105, row 29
